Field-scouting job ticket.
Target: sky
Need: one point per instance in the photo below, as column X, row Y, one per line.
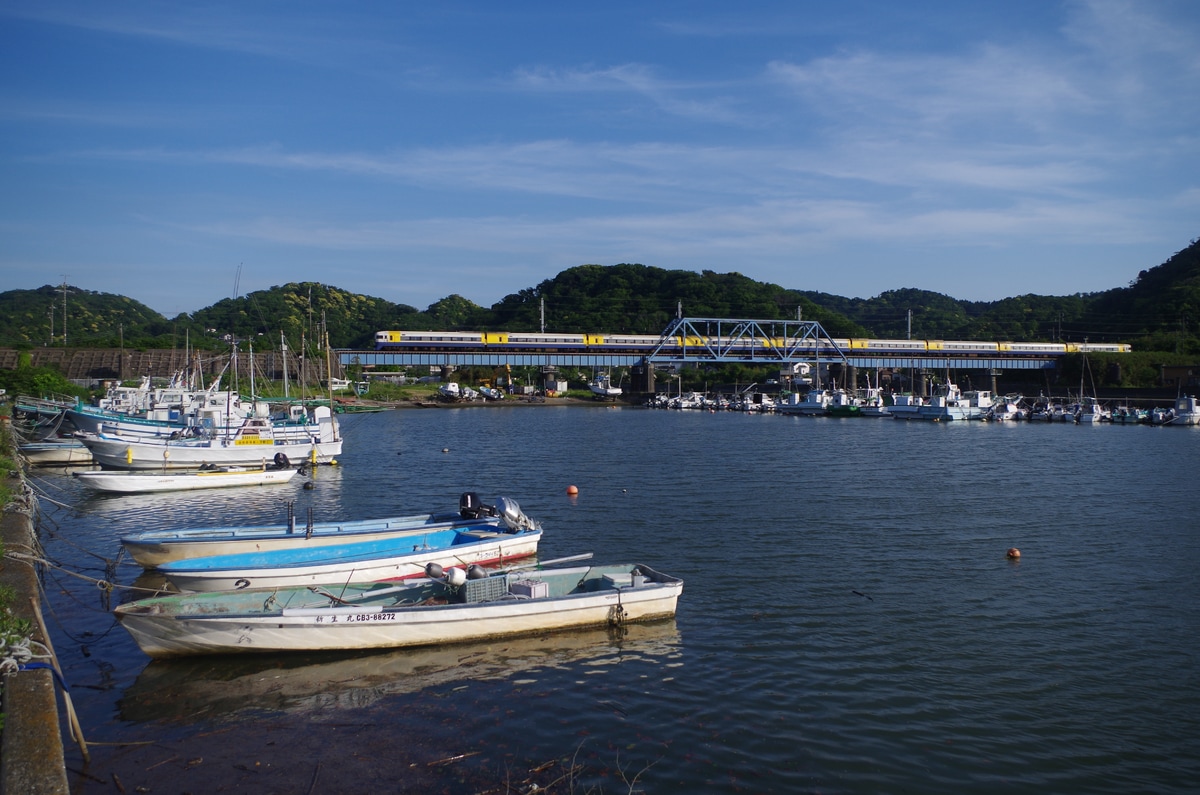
column 183, row 153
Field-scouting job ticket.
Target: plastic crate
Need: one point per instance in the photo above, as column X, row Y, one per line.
column 532, row 589
column 485, row 590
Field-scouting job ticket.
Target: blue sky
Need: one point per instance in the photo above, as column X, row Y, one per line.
column 178, row 153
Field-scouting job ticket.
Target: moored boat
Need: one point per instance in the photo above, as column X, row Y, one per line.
column 950, row 404
column 1187, row 411
column 905, row 406
column 55, row 452
column 365, row 559
column 378, row 615
column 255, row 442
column 814, row 404
column 843, row 404
column 141, row 481
column 152, row 548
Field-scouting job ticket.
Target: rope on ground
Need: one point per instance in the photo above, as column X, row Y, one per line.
column 19, row 653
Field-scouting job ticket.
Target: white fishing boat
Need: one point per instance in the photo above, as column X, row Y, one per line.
column 153, row 548
column 602, row 387
column 949, row 403
column 366, row 559
column 906, row 406
column 55, row 452
column 1090, row 412
column 814, row 404
column 436, row 610
column 140, row 481
column 256, row 442
column 1187, row 411
column 873, row 404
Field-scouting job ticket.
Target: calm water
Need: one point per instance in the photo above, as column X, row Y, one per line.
column 849, row 621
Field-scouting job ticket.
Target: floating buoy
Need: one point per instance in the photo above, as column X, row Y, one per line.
column 1013, row 553
column 572, row 489
column 445, row 449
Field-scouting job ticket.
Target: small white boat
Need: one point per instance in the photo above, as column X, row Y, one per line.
column 602, row 387
column 366, row 559
column 906, row 406
column 1187, row 411
column 813, row 404
column 55, row 452
column 151, row 548
column 381, row 615
column 255, row 443
column 140, row 481
column 951, row 404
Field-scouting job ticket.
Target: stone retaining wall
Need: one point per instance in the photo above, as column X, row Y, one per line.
column 31, row 747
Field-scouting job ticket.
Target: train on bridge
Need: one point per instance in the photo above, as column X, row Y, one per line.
column 754, row 346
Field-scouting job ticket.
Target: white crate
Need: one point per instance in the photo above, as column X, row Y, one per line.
column 533, row 589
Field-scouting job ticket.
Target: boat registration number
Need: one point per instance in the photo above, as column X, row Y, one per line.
column 352, row 618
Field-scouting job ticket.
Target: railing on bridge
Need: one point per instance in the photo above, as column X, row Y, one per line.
column 691, row 339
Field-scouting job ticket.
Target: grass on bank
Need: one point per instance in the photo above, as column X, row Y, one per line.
column 15, row 633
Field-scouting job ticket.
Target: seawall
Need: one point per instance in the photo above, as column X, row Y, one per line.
column 31, row 746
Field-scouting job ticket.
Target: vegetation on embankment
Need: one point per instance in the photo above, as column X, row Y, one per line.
column 1159, row 310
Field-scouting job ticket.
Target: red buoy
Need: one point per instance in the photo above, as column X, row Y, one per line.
column 572, row 490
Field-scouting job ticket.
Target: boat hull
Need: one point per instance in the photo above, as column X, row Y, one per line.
column 241, row 622
column 396, row 559
column 66, row 453
column 156, row 547
column 121, row 453
column 137, row 482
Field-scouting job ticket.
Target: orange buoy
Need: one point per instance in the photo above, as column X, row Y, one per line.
column 572, row 490
column 1013, row 553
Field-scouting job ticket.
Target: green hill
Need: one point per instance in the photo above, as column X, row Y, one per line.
column 1159, row 310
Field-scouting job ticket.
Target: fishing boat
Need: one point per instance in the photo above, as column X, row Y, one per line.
column 55, row 452
column 950, row 403
column 602, row 387
column 905, row 406
column 141, row 481
column 446, row 607
column 843, row 403
column 363, row 560
column 814, row 404
column 255, row 442
column 1187, row 411
column 153, row 548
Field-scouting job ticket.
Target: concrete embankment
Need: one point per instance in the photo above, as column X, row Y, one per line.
column 31, row 747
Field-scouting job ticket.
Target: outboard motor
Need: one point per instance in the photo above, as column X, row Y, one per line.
column 469, row 506
column 513, row 517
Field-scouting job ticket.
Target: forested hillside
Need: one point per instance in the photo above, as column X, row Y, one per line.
column 1160, row 310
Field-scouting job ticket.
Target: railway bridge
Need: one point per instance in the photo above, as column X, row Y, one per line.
column 694, row 342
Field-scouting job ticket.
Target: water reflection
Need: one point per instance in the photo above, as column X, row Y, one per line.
column 222, row 687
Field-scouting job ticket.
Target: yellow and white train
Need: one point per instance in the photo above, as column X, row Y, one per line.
column 481, row 341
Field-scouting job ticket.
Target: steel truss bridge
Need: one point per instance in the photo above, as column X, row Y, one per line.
column 706, row 341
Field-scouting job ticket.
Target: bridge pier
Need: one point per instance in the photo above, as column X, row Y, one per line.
column 641, row 377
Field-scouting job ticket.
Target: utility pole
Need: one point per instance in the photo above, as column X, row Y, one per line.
column 64, row 303
column 910, row 324
column 543, row 326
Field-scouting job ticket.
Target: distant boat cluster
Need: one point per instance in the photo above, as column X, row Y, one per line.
column 948, row 404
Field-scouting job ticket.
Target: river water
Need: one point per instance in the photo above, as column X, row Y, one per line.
column 849, row 623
